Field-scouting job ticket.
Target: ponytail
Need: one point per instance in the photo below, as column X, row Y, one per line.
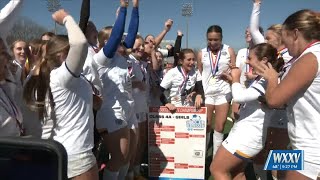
column 278, row 64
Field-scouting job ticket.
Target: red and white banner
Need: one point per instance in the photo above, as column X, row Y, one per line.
column 177, row 142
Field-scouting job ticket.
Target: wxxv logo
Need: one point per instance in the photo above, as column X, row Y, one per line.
column 284, row 160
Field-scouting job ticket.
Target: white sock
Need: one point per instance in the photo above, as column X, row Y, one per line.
column 217, row 141
column 274, row 178
column 136, row 170
column 123, row 172
column 109, row 175
column 207, row 140
column 260, row 173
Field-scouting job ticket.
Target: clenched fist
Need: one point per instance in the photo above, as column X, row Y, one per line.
column 168, row 24
column 59, row 15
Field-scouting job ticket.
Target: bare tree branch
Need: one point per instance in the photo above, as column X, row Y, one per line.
column 25, row 29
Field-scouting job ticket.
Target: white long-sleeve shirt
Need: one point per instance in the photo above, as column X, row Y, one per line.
column 256, row 35
column 139, row 70
column 72, row 96
column 8, row 16
column 252, row 111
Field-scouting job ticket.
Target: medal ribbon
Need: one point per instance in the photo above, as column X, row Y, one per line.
column 185, row 79
column 214, row 62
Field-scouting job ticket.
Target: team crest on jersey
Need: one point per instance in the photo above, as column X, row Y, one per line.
column 206, row 54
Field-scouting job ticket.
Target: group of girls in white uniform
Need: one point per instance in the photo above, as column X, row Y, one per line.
column 281, row 101
column 273, row 85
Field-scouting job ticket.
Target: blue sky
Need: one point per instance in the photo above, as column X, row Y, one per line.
column 232, row 15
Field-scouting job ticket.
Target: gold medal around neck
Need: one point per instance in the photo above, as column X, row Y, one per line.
column 212, row 81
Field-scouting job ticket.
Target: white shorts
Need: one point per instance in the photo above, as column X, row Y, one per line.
column 142, row 117
column 241, row 151
column 80, row 163
column 310, row 170
column 112, row 124
column 219, row 99
column 244, row 141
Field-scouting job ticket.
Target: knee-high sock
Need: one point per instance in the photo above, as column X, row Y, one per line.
column 217, row 141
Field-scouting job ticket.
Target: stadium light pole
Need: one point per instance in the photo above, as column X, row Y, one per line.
column 187, row 11
column 53, row 6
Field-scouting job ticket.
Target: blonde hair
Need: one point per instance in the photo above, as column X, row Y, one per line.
column 37, row 88
column 277, row 28
column 306, row 21
column 104, row 35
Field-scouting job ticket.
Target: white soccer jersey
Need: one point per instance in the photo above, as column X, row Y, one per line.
column 179, row 85
column 285, row 55
column 304, row 113
column 212, row 84
column 116, row 88
column 90, row 69
column 73, row 111
column 253, row 116
column 8, row 16
column 256, row 35
column 139, row 74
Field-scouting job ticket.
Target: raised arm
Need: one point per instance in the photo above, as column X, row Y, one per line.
column 199, row 62
column 111, row 46
column 133, row 26
column 167, row 26
column 8, row 16
column 78, row 43
column 84, row 15
column 177, row 48
column 232, row 56
column 257, row 37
